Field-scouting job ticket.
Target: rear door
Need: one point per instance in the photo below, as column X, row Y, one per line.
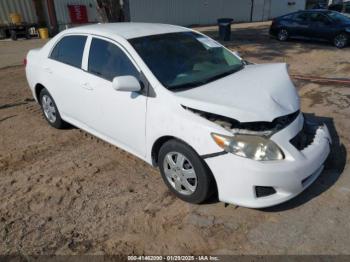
column 63, row 74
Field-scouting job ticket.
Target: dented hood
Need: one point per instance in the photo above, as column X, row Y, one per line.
column 255, row 93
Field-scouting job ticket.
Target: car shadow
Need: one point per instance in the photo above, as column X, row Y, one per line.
column 334, row 167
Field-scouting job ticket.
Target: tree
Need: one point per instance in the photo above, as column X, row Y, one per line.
column 344, row 7
column 110, row 10
column 40, row 13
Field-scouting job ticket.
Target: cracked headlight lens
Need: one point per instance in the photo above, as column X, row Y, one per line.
column 249, row 146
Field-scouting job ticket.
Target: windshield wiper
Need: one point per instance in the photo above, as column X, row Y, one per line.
column 181, row 87
column 187, row 85
column 211, row 79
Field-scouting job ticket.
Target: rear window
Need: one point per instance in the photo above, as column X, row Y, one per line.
column 69, row 50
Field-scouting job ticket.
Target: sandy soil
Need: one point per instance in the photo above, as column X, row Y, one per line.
column 65, row 192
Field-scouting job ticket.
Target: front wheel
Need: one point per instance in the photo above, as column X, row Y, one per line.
column 283, row 35
column 13, row 34
column 341, row 40
column 50, row 110
column 185, row 173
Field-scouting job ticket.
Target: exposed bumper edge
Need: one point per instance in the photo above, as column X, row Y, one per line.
column 237, row 177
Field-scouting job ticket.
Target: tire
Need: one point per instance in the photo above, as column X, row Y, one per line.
column 194, row 177
column 50, row 110
column 341, row 40
column 282, row 35
column 27, row 35
column 2, row 34
column 13, row 35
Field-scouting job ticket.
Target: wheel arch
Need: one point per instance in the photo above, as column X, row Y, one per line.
column 37, row 89
column 162, row 140
column 156, row 147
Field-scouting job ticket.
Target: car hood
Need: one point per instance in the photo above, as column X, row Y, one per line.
column 255, row 93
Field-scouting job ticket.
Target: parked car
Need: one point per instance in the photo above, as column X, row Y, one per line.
column 339, row 7
column 320, row 6
column 315, row 24
column 183, row 102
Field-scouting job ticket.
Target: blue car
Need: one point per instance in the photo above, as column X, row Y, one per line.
column 314, row 24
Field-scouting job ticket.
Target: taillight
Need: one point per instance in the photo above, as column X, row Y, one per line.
column 25, row 61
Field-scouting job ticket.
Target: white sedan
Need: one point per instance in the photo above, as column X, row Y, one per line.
column 211, row 122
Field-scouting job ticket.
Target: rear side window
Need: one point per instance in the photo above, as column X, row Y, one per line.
column 302, row 17
column 69, row 50
column 108, row 60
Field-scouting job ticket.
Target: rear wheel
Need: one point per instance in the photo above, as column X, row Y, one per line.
column 50, row 110
column 341, row 40
column 283, row 35
column 13, row 35
column 185, row 173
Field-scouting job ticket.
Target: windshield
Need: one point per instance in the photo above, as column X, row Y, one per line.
column 185, row 59
column 338, row 17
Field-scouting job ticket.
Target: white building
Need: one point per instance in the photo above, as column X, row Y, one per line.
column 206, row 12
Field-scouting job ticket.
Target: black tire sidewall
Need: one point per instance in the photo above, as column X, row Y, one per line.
column 13, row 35
column 205, row 181
column 59, row 123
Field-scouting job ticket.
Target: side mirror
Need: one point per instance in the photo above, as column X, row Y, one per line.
column 126, row 83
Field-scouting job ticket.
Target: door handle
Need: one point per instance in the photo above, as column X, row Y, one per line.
column 87, row 86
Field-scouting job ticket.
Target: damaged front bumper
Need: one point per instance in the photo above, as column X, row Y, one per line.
column 255, row 184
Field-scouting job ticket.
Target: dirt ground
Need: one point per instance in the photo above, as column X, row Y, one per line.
column 66, row 192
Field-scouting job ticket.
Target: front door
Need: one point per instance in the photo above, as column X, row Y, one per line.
column 321, row 26
column 117, row 115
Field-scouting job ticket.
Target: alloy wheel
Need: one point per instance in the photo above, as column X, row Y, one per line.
column 283, row 35
column 340, row 41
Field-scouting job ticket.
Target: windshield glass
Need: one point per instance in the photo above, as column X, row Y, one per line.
column 185, row 59
column 338, row 17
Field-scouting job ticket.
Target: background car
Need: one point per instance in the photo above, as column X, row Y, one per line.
column 339, row 7
column 315, row 24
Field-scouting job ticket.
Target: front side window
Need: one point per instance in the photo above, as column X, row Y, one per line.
column 108, row 61
column 318, row 18
column 69, row 50
column 338, row 17
column 185, row 59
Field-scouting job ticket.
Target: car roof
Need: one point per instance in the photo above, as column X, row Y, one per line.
column 127, row 30
column 317, row 10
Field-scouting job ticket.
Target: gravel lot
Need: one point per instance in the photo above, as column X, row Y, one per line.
column 66, row 192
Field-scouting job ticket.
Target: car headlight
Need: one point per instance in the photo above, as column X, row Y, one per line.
column 249, row 146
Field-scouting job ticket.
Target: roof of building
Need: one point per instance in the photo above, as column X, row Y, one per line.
column 129, row 30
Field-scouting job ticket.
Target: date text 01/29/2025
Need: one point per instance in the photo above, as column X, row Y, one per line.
column 173, row 258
